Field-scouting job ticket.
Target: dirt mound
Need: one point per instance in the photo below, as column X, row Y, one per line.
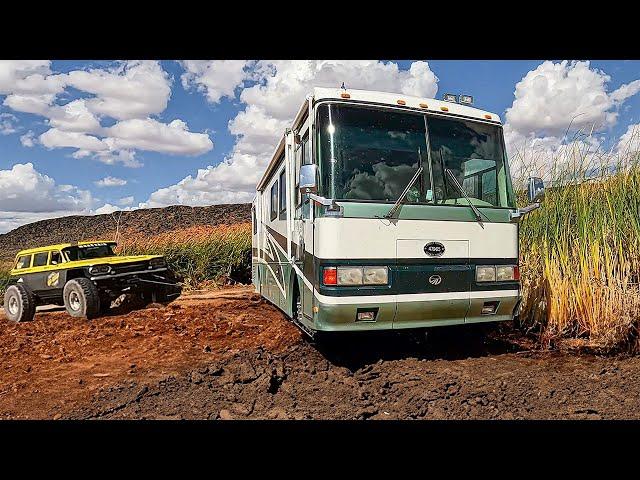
column 228, row 354
column 151, row 221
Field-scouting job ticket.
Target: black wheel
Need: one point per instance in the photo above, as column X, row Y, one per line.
column 81, row 298
column 19, row 304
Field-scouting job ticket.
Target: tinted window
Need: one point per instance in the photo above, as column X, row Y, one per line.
column 473, row 152
column 40, row 259
column 55, row 258
column 283, row 194
column 24, row 261
column 274, row 201
column 87, row 252
column 371, row 154
column 253, row 219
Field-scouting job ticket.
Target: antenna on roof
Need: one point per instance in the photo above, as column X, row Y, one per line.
column 343, row 87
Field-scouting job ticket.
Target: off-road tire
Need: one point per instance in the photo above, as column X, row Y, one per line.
column 19, row 303
column 86, row 298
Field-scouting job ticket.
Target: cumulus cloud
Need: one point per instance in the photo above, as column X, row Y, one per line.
column 130, row 92
column 277, row 91
column 8, row 124
column 215, row 78
column 27, row 195
column 126, row 201
column 28, row 139
column 630, row 141
column 111, row 182
column 148, row 134
column 555, row 99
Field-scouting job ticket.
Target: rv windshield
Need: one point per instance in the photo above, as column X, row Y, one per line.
column 368, row 154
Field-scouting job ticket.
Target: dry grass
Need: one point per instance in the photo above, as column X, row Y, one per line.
column 202, row 255
column 580, row 252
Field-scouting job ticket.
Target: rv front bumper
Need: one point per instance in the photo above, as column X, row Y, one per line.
column 414, row 310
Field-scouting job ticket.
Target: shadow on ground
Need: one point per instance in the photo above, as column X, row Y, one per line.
column 355, row 350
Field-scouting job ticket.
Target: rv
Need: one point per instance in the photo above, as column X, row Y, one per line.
column 384, row 211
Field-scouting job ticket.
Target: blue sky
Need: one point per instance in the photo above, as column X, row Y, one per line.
column 231, row 112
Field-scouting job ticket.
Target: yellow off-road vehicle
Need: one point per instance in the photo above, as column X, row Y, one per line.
column 85, row 277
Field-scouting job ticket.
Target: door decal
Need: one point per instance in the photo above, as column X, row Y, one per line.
column 52, row 279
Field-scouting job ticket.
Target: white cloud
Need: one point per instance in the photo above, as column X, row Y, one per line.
column 24, row 189
column 630, row 140
column 55, row 138
column 126, row 201
column 8, row 124
column 132, row 89
column 111, row 182
column 148, row 134
column 28, row 139
column 130, row 92
column 278, row 91
column 553, row 99
column 109, row 208
column 215, row 78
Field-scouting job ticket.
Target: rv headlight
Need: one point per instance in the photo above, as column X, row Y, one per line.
column 505, row 273
column 486, row 274
column 376, row 275
column 99, row 269
column 349, row 276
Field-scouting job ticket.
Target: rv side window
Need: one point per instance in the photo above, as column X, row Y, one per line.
column 253, row 218
column 274, row 201
column 283, row 196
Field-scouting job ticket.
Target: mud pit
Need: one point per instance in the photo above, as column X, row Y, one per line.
column 227, row 354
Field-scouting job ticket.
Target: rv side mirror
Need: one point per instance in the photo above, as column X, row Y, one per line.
column 536, row 189
column 308, row 175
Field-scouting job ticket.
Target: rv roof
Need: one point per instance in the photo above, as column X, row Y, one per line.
column 398, row 100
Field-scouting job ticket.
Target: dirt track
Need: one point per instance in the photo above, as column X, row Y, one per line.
column 228, row 354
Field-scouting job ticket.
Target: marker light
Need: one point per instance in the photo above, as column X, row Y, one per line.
column 466, row 99
column 424, row 105
column 401, row 102
column 485, row 274
column 345, row 95
column 488, row 117
column 444, row 109
column 329, row 276
column 450, row 97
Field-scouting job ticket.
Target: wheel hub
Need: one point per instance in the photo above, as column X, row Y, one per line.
column 13, row 306
column 74, row 301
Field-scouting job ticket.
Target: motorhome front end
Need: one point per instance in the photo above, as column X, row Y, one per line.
column 384, row 211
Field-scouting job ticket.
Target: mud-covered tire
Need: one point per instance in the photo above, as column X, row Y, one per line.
column 81, row 298
column 19, row 304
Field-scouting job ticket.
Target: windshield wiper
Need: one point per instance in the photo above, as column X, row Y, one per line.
column 396, row 206
column 477, row 212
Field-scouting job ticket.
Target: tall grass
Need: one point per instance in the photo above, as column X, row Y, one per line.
column 200, row 255
column 580, row 252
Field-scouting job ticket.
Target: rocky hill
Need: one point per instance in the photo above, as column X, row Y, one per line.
column 150, row 221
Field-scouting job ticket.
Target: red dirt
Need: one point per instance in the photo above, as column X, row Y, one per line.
column 55, row 362
column 228, row 354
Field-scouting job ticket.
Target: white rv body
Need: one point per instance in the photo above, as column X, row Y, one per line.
column 438, row 254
